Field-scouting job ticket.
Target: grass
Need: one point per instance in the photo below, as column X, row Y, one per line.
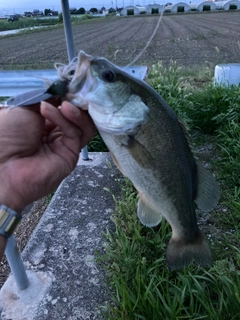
column 97, row 144
column 26, row 23
column 142, row 287
column 50, row 22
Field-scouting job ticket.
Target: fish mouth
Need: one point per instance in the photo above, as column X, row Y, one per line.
column 83, row 81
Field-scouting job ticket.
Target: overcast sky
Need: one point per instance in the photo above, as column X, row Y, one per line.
column 19, row 6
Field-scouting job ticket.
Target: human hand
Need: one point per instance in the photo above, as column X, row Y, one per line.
column 38, row 150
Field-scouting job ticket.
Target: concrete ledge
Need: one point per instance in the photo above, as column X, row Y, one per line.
column 17, row 304
column 65, row 282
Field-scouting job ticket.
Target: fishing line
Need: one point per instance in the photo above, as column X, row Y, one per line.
column 149, row 41
column 64, row 70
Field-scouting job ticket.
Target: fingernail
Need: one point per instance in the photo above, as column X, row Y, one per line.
column 44, row 104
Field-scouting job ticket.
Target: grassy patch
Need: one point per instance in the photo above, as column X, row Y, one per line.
column 30, row 65
column 97, row 144
column 142, row 287
column 26, row 23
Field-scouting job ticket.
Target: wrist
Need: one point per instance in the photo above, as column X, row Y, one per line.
column 11, row 201
column 9, row 220
column 10, row 187
column 10, row 204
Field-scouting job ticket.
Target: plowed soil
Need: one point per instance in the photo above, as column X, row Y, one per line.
column 189, row 39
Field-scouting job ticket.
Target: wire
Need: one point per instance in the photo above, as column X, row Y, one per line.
column 149, row 41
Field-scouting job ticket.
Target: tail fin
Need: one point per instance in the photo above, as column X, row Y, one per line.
column 180, row 254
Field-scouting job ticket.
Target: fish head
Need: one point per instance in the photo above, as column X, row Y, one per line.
column 106, row 92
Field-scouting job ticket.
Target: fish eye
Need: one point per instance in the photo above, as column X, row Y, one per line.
column 107, row 75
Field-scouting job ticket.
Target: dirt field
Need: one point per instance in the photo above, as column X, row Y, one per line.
column 189, row 39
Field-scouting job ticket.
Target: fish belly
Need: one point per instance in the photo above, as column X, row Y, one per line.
column 153, row 199
column 187, row 243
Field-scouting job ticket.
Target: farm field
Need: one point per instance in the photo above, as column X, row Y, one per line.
column 189, row 39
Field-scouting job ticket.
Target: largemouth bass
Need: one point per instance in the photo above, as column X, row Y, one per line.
column 150, row 146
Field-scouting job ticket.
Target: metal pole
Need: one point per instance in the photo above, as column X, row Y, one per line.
column 68, row 29
column 70, row 47
column 16, row 264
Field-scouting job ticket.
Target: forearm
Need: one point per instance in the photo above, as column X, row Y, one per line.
column 3, row 243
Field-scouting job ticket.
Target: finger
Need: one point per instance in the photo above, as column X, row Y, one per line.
column 80, row 118
column 71, row 134
column 49, row 126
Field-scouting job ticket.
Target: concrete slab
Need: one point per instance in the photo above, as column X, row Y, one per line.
column 17, row 304
column 65, row 281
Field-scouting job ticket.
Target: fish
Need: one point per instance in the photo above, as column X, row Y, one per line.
column 150, row 146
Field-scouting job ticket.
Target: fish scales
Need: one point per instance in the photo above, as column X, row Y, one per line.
column 169, row 164
column 150, row 147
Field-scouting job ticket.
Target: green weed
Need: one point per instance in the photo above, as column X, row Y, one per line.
column 199, row 37
column 97, row 144
column 143, row 286
column 111, row 49
column 26, row 23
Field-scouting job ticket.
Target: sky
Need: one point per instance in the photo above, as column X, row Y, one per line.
column 19, row 6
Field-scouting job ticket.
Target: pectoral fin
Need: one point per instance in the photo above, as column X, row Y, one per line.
column 140, row 154
column 208, row 190
column 116, row 162
column 147, row 215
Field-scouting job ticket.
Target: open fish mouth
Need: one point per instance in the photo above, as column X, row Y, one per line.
column 82, row 82
column 96, row 87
